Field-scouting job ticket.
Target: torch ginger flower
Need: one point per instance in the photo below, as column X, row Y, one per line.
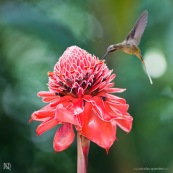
column 79, row 97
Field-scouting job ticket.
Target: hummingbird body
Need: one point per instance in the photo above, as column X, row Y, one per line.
column 128, row 48
column 130, row 44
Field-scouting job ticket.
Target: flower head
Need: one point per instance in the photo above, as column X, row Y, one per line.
column 79, row 97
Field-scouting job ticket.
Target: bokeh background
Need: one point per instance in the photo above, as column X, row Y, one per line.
column 35, row 33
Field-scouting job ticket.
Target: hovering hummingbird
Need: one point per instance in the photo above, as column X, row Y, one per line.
column 130, row 44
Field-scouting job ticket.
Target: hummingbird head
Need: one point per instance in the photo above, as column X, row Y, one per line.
column 111, row 48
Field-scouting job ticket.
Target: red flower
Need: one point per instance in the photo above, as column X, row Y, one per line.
column 79, row 96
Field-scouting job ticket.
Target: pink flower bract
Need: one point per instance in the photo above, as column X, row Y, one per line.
column 79, row 97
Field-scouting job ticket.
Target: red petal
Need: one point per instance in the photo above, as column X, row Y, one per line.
column 63, row 137
column 111, row 78
column 47, row 125
column 112, row 98
column 87, row 97
column 69, row 114
column 99, row 85
column 125, row 122
column 105, row 86
column 47, row 96
column 123, row 108
column 49, row 99
column 101, row 132
column 98, row 106
column 77, row 105
column 103, row 109
column 113, row 90
column 111, row 112
column 61, row 100
column 43, row 114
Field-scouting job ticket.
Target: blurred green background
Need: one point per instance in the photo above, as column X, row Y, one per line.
column 34, row 34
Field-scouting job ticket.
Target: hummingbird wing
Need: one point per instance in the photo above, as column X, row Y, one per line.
column 136, row 33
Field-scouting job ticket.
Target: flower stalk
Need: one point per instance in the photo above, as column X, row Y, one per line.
column 83, row 145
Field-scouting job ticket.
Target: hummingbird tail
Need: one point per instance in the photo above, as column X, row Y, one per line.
column 151, row 82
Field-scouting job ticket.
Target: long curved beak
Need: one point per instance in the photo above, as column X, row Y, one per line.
column 105, row 55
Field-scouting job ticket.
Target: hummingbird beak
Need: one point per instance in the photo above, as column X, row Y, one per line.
column 111, row 48
column 105, row 55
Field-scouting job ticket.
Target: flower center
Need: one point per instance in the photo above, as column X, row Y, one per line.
column 78, row 73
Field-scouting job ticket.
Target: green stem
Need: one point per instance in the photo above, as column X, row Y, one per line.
column 83, row 145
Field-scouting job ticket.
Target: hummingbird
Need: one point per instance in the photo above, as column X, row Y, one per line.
column 130, row 44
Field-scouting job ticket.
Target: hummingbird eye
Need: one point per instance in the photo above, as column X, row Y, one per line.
column 111, row 48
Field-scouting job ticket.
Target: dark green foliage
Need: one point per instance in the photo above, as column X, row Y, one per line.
column 34, row 34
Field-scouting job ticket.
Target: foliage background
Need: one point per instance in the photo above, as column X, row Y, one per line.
column 35, row 33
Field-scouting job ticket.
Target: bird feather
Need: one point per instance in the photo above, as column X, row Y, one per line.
column 137, row 31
